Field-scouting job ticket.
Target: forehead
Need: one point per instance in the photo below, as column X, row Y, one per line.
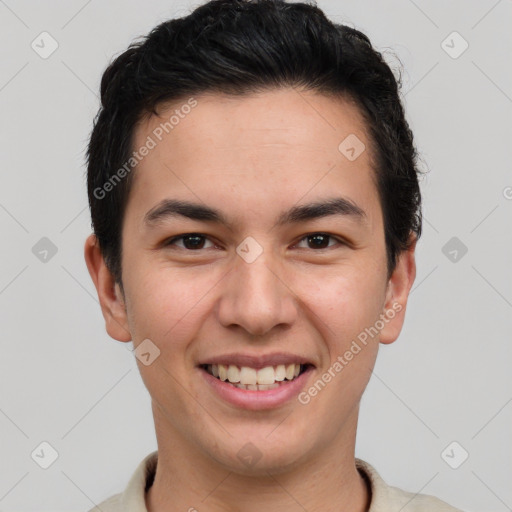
column 214, row 147
column 279, row 116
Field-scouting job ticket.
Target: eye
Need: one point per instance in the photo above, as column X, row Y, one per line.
column 191, row 241
column 196, row 241
column 319, row 240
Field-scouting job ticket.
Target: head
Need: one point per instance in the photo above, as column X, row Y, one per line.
column 248, row 108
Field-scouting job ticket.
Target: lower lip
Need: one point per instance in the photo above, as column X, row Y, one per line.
column 257, row 400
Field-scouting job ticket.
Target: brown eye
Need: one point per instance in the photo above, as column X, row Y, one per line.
column 191, row 241
column 319, row 241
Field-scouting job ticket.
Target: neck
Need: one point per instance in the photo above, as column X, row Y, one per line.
column 188, row 480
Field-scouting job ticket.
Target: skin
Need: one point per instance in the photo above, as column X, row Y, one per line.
column 254, row 157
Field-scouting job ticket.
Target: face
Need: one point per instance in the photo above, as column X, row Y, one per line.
column 253, row 274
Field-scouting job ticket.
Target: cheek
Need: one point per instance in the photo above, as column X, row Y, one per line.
column 344, row 301
column 169, row 304
column 166, row 303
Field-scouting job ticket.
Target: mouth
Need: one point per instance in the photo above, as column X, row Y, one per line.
column 253, row 379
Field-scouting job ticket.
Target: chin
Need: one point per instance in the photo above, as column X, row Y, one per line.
column 259, row 456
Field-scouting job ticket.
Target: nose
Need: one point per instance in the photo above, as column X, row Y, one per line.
column 257, row 297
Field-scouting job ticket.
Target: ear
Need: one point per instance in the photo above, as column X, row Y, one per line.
column 397, row 293
column 110, row 296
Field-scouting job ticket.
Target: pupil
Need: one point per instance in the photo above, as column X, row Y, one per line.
column 321, row 238
column 195, row 245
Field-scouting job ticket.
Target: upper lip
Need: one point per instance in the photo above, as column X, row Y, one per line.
column 257, row 361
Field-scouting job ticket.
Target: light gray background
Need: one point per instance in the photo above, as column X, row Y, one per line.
column 447, row 378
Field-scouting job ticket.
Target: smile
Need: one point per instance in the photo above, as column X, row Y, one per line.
column 250, row 388
column 245, row 377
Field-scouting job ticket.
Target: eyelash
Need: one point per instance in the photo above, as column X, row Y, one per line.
column 171, row 241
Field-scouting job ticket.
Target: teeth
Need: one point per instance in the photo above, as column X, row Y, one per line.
column 247, row 375
column 264, row 387
column 257, row 387
column 250, row 378
column 280, row 372
column 233, row 373
column 266, row 375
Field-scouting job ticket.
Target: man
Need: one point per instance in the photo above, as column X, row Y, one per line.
column 255, row 206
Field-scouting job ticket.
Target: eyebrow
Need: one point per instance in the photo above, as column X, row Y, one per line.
column 169, row 208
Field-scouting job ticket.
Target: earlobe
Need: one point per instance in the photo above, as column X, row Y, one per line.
column 397, row 293
column 109, row 294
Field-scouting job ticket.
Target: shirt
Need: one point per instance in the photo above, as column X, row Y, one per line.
column 385, row 498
